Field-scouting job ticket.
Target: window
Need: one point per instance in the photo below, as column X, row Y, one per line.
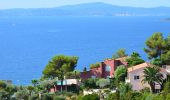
column 107, row 68
column 136, row 77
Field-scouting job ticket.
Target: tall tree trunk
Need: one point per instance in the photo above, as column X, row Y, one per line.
column 62, row 78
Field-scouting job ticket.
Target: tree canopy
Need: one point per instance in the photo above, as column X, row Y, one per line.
column 134, row 59
column 157, row 48
column 120, row 53
column 120, row 73
column 59, row 66
column 155, row 45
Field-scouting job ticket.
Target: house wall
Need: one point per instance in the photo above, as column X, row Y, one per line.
column 137, row 84
column 112, row 64
column 101, row 72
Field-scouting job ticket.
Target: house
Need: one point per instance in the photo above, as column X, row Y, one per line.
column 105, row 69
column 68, row 85
column 135, row 77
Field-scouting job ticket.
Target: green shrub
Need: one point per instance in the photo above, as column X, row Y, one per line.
column 145, row 90
column 113, row 96
column 90, row 83
column 95, row 65
column 90, row 97
column 2, row 85
column 59, row 98
column 159, row 97
column 103, row 83
column 168, row 96
column 47, row 97
column 33, row 97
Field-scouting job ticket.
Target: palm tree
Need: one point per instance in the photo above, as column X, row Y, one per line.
column 152, row 75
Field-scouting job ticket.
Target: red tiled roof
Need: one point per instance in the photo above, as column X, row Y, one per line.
column 133, row 68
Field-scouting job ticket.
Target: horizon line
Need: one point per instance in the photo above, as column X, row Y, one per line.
column 82, row 4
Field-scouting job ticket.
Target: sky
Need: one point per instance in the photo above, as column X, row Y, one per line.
column 6, row 4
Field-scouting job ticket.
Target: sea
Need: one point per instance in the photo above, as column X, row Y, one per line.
column 28, row 43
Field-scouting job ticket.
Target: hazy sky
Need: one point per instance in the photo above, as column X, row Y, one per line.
column 4, row 4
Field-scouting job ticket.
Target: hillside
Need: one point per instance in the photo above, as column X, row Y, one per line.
column 88, row 9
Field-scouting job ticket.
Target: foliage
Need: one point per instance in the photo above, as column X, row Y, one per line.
column 157, row 48
column 96, row 65
column 59, row 65
column 124, row 88
column 120, row 53
column 34, row 82
column 73, row 75
column 157, row 62
column 113, row 96
column 22, row 94
column 132, row 95
column 59, row 98
column 90, row 97
column 166, row 89
column 90, row 83
column 33, row 97
column 2, row 85
column 47, row 96
column 147, row 96
column 168, row 96
column 145, row 90
column 134, row 59
column 120, row 73
column 155, row 45
column 152, row 75
column 103, row 83
column 165, row 58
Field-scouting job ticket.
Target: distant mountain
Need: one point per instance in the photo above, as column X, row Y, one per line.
column 88, row 9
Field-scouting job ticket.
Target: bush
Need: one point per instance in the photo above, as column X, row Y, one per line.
column 2, row 85
column 113, row 96
column 120, row 73
column 33, row 97
column 47, row 97
column 90, row 83
column 59, row 98
column 90, row 97
column 159, row 97
column 103, row 83
column 132, row 95
column 145, row 90
column 95, row 65
column 166, row 89
column 168, row 96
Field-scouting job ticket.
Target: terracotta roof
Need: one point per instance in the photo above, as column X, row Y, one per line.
column 122, row 58
column 133, row 68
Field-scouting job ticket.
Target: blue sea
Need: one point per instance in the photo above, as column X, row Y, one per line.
column 28, row 43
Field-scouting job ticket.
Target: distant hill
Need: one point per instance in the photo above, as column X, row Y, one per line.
column 88, row 9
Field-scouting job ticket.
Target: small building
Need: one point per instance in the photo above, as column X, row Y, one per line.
column 106, row 69
column 7, row 81
column 68, row 85
column 135, row 77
